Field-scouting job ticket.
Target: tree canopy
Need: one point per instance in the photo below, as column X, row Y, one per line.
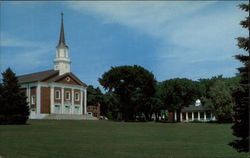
column 219, row 99
column 13, row 106
column 241, row 125
column 133, row 85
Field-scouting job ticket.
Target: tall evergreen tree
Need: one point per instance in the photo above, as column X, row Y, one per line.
column 13, row 106
column 241, row 125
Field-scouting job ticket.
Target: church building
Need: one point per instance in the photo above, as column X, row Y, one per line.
column 57, row 91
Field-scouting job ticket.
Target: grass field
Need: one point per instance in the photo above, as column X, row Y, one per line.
column 107, row 139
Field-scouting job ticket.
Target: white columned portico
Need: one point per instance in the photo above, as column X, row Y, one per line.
column 205, row 116
column 72, row 102
column 192, row 116
column 181, row 116
column 38, row 98
column 85, row 101
column 52, row 99
column 62, row 101
column 187, row 116
column 81, row 98
column 199, row 116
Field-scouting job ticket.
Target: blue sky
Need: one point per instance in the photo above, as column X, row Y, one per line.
column 169, row 38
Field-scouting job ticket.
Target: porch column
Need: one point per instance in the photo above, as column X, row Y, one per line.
column 199, row 116
column 175, row 116
column 62, row 101
column 192, row 116
column 81, row 98
column 85, row 101
column 187, row 116
column 52, row 99
column 181, row 116
column 72, row 102
column 211, row 116
column 205, row 116
column 38, row 98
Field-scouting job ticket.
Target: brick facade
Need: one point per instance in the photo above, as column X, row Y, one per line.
column 45, row 100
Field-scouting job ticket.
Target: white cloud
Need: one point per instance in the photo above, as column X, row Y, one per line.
column 190, row 32
column 147, row 17
column 23, row 55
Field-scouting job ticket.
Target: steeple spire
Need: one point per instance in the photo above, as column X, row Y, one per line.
column 62, row 38
column 62, row 61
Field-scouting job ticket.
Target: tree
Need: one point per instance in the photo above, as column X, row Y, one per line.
column 179, row 92
column 13, row 106
column 133, row 85
column 219, row 99
column 241, row 116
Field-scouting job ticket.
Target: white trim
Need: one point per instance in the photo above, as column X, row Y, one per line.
column 72, row 101
column 62, row 104
column 85, row 101
column 81, row 102
column 52, row 100
column 38, row 97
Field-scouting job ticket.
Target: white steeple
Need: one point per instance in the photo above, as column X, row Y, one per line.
column 62, row 61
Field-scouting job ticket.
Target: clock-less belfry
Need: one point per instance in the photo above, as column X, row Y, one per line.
column 62, row 61
column 56, row 93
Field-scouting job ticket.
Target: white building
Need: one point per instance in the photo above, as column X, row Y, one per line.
column 56, row 91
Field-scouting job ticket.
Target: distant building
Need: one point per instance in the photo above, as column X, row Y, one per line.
column 56, row 91
column 94, row 110
column 196, row 112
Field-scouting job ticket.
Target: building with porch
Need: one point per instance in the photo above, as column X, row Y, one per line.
column 196, row 112
column 56, row 91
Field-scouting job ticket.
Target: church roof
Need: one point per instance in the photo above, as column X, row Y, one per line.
column 38, row 76
column 47, row 76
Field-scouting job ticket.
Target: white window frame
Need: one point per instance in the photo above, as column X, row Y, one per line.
column 77, row 98
column 59, row 92
column 66, row 95
column 33, row 99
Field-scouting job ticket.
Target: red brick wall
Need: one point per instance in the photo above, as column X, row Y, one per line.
column 45, row 100
column 94, row 109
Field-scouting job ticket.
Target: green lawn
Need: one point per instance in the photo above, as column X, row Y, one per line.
column 108, row 139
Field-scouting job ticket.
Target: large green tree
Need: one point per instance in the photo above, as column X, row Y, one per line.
column 219, row 99
column 179, row 92
column 13, row 106
column 133, row 85
column 241, row 125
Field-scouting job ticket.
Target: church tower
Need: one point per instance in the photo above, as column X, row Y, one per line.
column 62, row 61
